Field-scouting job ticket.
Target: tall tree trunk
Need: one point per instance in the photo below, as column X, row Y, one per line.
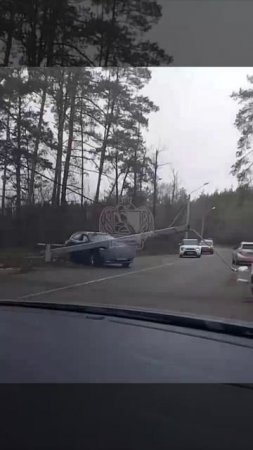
column 135, row 176
column 9, row 37
column 115, row 185
column 124, row 182
column 28, row 162
column 4, row 184
column 18, row 160
column 82, row 156
column 112, row 190
column 102, row 160
column 110, row 38
column 136, row 148
column 5, row 164
column 102, row 38
column 37, row 143
column 32, row 48
column 108, row 124
column 142, row 170
column 70, row 140
column 116, row 178
column 62, row 107
column 43, row 36
column 57, row 175
column 51, row 30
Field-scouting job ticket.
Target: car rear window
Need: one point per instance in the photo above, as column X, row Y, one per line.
column 190, row 242
column 247, row 246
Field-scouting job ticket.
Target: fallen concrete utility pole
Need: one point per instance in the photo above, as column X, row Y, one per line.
column 59, row 249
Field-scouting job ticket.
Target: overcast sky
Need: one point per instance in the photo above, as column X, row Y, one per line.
column 195, row 124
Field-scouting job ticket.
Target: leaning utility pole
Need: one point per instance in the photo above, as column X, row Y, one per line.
column 155, row 179
column 188, row 213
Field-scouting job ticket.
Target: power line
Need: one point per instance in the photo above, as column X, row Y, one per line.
column 58, row 183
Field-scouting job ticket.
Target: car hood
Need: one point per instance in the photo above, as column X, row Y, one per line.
column 132, row 345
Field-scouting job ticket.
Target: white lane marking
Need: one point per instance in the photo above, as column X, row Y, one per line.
column 96, row 280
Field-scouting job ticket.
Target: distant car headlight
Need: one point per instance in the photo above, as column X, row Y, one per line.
column 181, row 249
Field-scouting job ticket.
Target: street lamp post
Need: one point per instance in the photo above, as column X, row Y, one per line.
column 188, row 213
column 188, row 216
column 204, row 220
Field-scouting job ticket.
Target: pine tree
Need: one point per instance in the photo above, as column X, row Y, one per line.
column 244, row 123
column 80, row 33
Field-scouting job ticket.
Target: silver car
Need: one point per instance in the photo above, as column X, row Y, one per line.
column 109, row 250
column 243, row 254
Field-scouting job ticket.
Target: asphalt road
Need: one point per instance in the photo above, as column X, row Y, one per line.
column 204, row 286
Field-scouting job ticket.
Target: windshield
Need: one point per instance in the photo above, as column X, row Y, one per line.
column 100, row 237
column 148, row 175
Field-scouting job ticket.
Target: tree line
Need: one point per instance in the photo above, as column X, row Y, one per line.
column 83, row 33
column 60, row 125
column 231, row 220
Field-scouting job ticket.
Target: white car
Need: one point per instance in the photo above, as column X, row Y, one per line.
column 190, row 247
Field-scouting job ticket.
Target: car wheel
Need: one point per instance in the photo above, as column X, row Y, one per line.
column 126, row 264
column 198, row 256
